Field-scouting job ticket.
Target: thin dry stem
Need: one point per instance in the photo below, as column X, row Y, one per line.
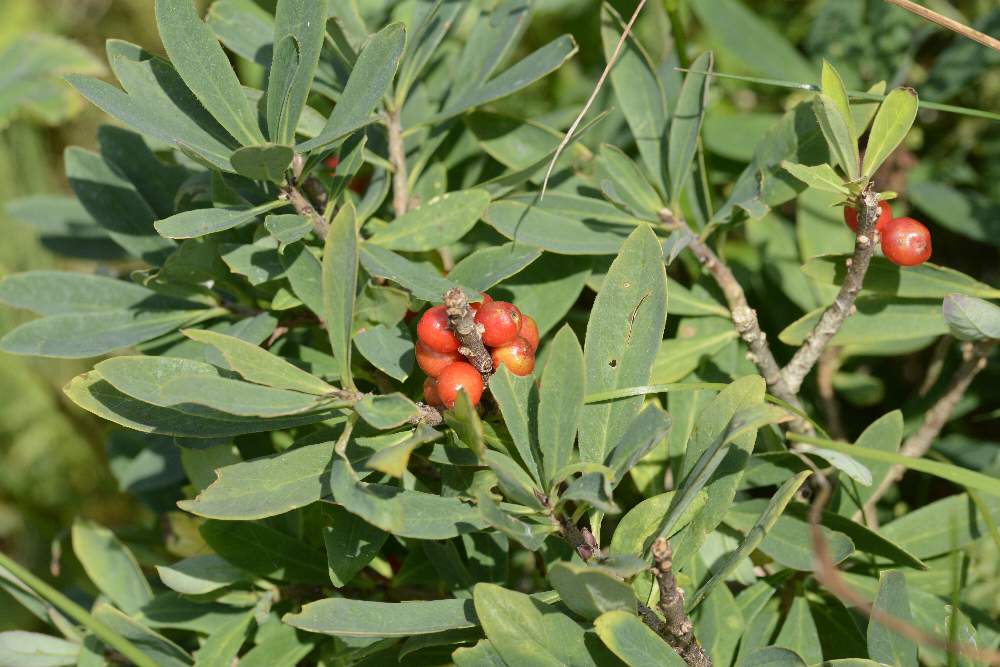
column 843, row 306
column 397, row 156
column 469, row 334
column 948, row 23
column 678, row 629
column 829, row 364
column 305, row 208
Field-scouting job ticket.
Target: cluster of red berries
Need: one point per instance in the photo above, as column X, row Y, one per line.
column 511, row 337
column 905, row 241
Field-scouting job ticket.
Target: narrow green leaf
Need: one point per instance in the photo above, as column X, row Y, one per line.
column 387, row 411
column 648, row 429
column 393, row 460
column 202, row 221
column 590, row 591
column 111, row 566
column 481, row 655
column 342, row 617
column 164, row 652
column 299, row 28
column 58, row 292
column 926, row 281
column 264, row 551
column 886, row 645
column 838, row 135
column 305, row 275
column 487, row 267
column 221, row 647
column 518, row 402
column 464, row 421
column 351, row 543
column 430, row 22
column 822, row 176
column 281, row 647
column 198, row 575
column 340, row 286
column 31, row 649
column 892, row 123
column 441, row 221
column 267, row 162
column 799, row 632
column 528, row 222
column 880, row 324
column 942, row 526
column 628, row 181
column 623, row 335
column 389, row 349
column 560, row 401
column 206, row 71
column 970, row 318
column 632, row 641
column 685, row 127
column 833, row 87
column 421, row 279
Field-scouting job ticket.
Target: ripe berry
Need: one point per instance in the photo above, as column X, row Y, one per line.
column 433, row 330
column 529, row 331
column 433, row 362
column 332, row 162
column 884, row 217
column 431, row 396
column 501, row 322
column 459, row 375
column 476, row 304
column 518, row 357
column 906, row 242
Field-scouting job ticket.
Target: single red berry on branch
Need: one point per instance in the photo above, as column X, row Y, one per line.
column 884, row 217
column 457, row 376
column 529, row 331
column 431, row 396
column 433, row 362
column 518, row 357
column 906, row 242
column 501, row 322
column 433, row 330
column 332, row 163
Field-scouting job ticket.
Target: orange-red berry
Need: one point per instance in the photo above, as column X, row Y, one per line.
column 906, row 242
column 884, row 217
column 476, row 304
column 433, row 362
column 459, row 375
column 431, row 396
column 332, row 162
column 529, row 331
column 501, row 322
column 518, row 357
column 434, row 331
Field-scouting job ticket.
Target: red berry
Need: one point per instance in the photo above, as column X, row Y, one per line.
column 359, row 184
column 434, row 331
column 431, row 396
column 501, row 322
column 906, row 242
column 476, row 304
column 884, row 217
column 518, row 357
column 332, row 162
column 529, row 331
column 433, row 362
column 459, row 375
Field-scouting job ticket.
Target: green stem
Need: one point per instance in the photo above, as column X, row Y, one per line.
column 77, row 613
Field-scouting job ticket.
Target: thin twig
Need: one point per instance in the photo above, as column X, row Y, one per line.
column 678, row 629
column 304, row 208
column 950, row 24
column 593, row 96
column 469, row 334
column 829, row 364
column 936, row 365
column 397, row 156
column 920, row 442
column 843, row 306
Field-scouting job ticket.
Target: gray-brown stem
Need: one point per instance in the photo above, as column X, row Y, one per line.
column 305, row 208
column 678, row 629
column 397, row 157
column 470, row 336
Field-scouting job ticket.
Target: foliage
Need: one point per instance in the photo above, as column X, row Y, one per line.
column 244, row 256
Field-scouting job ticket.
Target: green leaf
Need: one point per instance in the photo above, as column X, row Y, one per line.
column 521, row 629
column 370, row 79
column 590, row 591
column 202, row 221
column 404, row 513
column 487, row 267
column 594, row 488
column 547, row 289
column 892, row 123
column 537, row 224
column 754, row 536
column 282, row 647
column 879, row 325
column 111, row 566
column 648, row 429
column 493, row 38
column 971, row 214
column 970, row 318
column 926, row 281
column 421, row 279
column 342, row 617
column 531, row 536
column 387, row 411
column 351, row 543
column 623, row 335
column 838, row 136
column 221, row 647
column 942, row 526
column 256, row 364
column 616, row 170
column 287, row 228
column 531, row 68
column 481, row 655
column 516, row 143
column 639, row 92
column 64, row 227
column 389, row 349
column 198, row 575
column 116, row 204
column 82, row 335
column 560, row 401
column 788, row 542
column 441, row 221
column 305, row 275
column 340, row 286
column 206, row 71
column 640, row 523
column 679, row 357
column 266, row 486
column 61, row 292
column 299, row 28
column 515, row 483
column 685, row 127
column 164, row 652
column 822, row 176
column 833, row 87
column 429, row 24
column 518, row 402
column 886, row 645
column 799, row 632
column 775, row 656
column 720, row 625
column 264, row 551
column 843, row 462
column 631, row 640
column 31, row 649
column 464, row 421
column 266, row 162
column 393, row 460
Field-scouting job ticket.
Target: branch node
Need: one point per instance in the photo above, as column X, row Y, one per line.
column 468, row 331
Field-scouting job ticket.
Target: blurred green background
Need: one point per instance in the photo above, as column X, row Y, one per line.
column 54, row 461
